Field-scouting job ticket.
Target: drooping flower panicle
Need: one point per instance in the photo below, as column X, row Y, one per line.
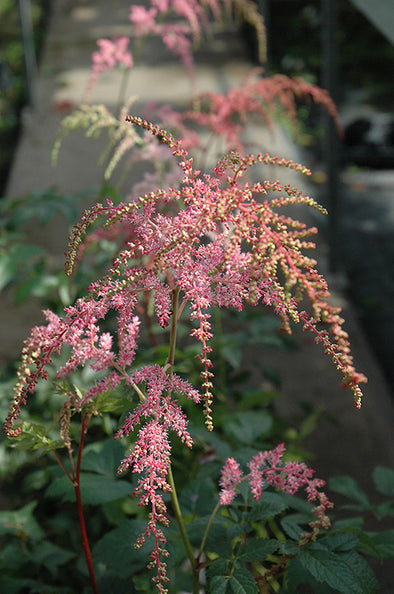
column 219, row 241
column 216, row 240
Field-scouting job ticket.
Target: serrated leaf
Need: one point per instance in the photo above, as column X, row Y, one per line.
column 257, row 549
column 365, row 577
column 34, row 437
column 269, row 505
column 95, row 489
column 384, row 480
column 342, row 541
column 242, row 582
column 219, row 584
column 217, row 568
column 218, row 540
column 21, row 522
column 383, row 543
column 292, row 529
column 347, row 573
column 347, row 486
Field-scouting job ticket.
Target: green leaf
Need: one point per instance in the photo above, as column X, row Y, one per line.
column 364, row 576
column 103, row 457
column 383, row 543
column 257, row 549
column 292, row 529
column 269, row 505
column 347, row 486
column 348, row 573
column 113, row 584
column 41, row 205
column 113, row 402
column 95, row 489
column 34, row 437
column 21, row 522
column 202, row 437
column 13, row 258
column 384, row 480
column 219, row 584
column 115, row 552
column 341, row 541
column 14, row 585
column 382, row 510
column 218, row 540
column 198, row 497
column 242, row 582
column 41, row 284
column 51, row 556
column 246, row 427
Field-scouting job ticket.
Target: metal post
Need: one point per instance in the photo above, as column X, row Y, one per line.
column 263, row 8
column 331, row 141
column 29, row 53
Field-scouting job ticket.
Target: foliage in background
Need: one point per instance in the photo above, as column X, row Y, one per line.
column 12, row 75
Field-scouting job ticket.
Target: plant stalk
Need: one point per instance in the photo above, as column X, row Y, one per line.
column 182, row 529
column 77, row 488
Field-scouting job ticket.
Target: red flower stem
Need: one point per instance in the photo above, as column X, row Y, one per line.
column 77, row 488
column 63, row 467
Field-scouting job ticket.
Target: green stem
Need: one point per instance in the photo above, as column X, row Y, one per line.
column 211, row 519
column 174, row 325
column 182, row 529
column 122, row 88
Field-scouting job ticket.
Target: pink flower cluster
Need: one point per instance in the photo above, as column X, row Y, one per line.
column 268, row 469
column 216, row 240
column 177, row 36
column 111, row 53
column 226, row 115
column 150, row 456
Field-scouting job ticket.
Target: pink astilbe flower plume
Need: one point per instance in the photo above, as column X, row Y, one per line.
column 268, row 469
column 181, row 23
column 215, row 240
column 111, row 53
column 225, row 116
column 150, row 455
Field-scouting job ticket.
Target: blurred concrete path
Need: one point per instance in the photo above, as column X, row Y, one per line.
column 367, row 248
column 347, row 441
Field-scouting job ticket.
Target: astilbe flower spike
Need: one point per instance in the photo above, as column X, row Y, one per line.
column 232, row 214
column 225, row 116
column 191, row 21
column 216, row 240
column 110, row 54
column 268, row 469
column 150, row 456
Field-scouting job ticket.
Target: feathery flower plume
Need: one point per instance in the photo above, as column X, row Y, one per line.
column 268, row 469
column 216, row 240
